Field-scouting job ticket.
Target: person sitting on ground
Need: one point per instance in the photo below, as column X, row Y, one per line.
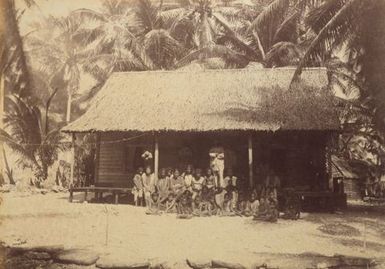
column 184, row 204
column 163, row 186
column 196, row 204
column 197, row 183
column 269, row 211
column 177, row 183
column 262, row 209
column 137, row 189
column 227, row 198
column 209, row 179
column 273, row 207
column 292, row 205
column 148, row 179
column 171, row 206
column 208, row 200
column 188, row 178
column 242, row 202
column 253, row 204
column 153, row 209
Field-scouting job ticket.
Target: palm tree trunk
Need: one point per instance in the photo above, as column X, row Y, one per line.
column 260, row 47
column 68, row 113
column 14, row 39
column 2, row 164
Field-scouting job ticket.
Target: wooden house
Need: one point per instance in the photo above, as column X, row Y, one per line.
column 179, row 115
column 344, row 175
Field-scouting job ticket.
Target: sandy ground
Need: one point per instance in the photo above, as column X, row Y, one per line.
column 32, row 220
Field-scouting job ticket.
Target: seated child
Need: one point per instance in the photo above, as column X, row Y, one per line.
column 210, row 179
column 273, row 207
column 242, row 202
column 268, row 209
column 253, row 205
column 188, row 178
column 197, row 183
column 227, row 210
column 177, row 183
column 184, row 203
column 208, row 199
column 292, row 205
column 196, row 205
column 137, row 189
column 262, row 210
column 163, row 185
column 153, row 209
column 171, row 206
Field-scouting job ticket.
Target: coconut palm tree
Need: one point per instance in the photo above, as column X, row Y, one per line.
column 269, row 32
column 14, row 75
column 52, row 50
column 110, row 39
column 154, row 32
column 205, row 25
column 30, row 135
column 359, row 25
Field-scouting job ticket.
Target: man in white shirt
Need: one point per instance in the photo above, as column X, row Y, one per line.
column 217, row 163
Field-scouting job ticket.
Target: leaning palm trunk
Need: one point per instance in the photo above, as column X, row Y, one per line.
column 1, row 123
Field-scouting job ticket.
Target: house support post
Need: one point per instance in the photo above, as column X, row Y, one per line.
column 156, row 158
column 250, row 153
column 73, row 137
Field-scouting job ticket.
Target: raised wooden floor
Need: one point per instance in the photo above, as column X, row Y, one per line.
column 99, row 192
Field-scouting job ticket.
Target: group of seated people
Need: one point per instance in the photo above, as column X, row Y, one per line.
column 194, row 192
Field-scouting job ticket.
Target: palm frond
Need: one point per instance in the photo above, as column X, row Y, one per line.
column 274, row 11
column 168, row 17
column 183, row 31
column 216, row 51
column 85, row 14
column 235, row 38
column 334, row 31
column 99, row 66
column 161, row 48
column 23, row 120
column 147, row 15
column 318, row 17
column 24, row 151
column 287, row 30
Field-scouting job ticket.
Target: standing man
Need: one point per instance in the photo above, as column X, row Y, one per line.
column 148, row 180
column 217, row 163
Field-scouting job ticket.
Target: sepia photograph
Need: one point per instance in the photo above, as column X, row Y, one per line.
column 192, row 134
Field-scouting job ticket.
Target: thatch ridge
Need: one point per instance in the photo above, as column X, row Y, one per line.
column 202, row 100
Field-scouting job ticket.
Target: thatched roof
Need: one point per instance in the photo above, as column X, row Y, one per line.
column 342, row 169
column 208, row 100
